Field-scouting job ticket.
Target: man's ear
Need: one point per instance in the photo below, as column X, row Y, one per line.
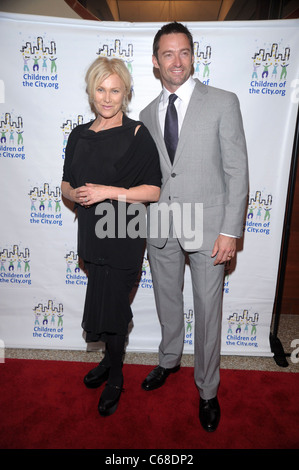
column 155, row 62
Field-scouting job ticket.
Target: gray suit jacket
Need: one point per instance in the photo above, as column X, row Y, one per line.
column 210, row 167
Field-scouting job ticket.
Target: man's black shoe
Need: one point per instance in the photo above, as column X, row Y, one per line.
column 209, row 414
column 157, row 377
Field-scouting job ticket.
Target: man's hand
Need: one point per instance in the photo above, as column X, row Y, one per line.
column 224, row 248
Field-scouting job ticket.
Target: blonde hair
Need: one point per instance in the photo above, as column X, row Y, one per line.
column 101, row 69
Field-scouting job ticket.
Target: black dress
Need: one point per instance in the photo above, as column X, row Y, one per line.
column 114, row 157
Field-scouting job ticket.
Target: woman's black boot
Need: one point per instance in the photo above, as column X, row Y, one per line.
column 109, row 399
column 97, row 376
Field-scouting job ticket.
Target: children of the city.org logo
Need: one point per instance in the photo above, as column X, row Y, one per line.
column 189, row 324
column 74, row 275
column 145, row 281
column 259, row 214
column 202, row 62
column 118, row 50
column 39, row 64
column 45, row 205
column 242, row 329
column 48, row 321
column 15, row 266
column 269, row 71
column 12, row 140
column 67, row 128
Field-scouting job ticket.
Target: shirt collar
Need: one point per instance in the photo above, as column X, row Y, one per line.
column 184, row 92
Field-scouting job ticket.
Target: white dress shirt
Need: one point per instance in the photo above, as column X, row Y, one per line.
column 183, row 93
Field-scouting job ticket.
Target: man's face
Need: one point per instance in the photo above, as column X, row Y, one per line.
column 174, row 60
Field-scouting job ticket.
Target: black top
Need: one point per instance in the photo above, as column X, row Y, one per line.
column 114, row 157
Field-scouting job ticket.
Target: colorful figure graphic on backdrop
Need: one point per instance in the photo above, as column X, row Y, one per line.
column 2, row 262
column 206, row 70
column 26, row 265
column 253, row 329
column 42, row 204
column 129, row 65
column 259, row 212
column 267, row 213
column 250, row 212
column 33, row 201
column 44, row 66
column 19, row 265
column 69, row 263
column 271, row 56
column 53, row 64
column 230, row 327
column 11, row 265
column 9, row 125
column 11, row 137
column 189, row 326
column 259, row 203
column 274, row 71
column 20, row 137
column 256, row 65
column 77, row 268
column 38, row 51
column 46, row 198
column 35, row 64
column 26, row 59
column 3, row 135
column 50, row 204
column 60, row 320
column 266, row 70
column 57, row 204
column 65, row 137
column 283, row 74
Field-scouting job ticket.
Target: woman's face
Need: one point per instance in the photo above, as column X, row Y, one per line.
column 109, row 96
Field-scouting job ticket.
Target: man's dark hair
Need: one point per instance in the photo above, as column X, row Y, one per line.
column 169, row 29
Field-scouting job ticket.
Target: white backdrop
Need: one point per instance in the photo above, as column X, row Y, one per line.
column 42, row 97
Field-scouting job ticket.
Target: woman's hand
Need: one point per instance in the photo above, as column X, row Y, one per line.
column 89, row 194
column 85, row 195
column 93, row 193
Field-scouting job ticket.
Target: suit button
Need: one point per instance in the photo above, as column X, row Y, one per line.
column 173, row 175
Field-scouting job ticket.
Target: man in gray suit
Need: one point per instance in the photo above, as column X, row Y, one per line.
column 204, row 166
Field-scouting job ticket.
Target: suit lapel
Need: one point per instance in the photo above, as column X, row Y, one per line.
column 194, row 113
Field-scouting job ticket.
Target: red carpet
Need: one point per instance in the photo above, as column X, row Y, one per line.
column 45, row 405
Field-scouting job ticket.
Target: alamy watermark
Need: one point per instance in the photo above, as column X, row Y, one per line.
column 182, row 220
column 295, row 352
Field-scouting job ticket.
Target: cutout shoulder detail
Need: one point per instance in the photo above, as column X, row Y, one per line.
column 137, row 129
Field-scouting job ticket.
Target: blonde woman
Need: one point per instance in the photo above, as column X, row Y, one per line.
column 111, row 164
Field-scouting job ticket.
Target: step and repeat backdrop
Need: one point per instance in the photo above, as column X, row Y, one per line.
column 42, row 98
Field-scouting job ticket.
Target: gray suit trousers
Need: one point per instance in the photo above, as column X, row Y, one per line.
column 168, row 268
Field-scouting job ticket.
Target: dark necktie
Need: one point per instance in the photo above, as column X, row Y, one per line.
column 171, row 133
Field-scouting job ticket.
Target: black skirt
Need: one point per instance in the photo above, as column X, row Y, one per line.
column 107, row 304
